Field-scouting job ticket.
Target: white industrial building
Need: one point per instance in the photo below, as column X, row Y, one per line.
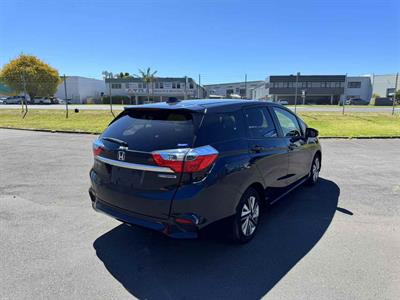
column 161, row 89
column 81, row 89
column 228, row 90
column 358, row 87
column 384, row 85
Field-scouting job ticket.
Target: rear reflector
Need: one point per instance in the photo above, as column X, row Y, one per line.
column 183, row 221
column 186, row 160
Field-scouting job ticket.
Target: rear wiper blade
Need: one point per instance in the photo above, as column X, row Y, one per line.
column 114, row 140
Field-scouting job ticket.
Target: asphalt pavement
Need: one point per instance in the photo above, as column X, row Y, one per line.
column 337, row 240
column 311, row 108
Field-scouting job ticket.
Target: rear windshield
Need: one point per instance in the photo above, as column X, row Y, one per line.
column 149, row 130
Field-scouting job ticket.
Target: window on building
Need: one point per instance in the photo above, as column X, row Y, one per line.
column 191, row 86
column 242, row 92
column 115, row 85
column 337, row 84
column 390, row 92
column 323, row 84
column 229, row 92
column 304, row 84
column 159, row 85
column 176, row 85
column 328, row 84
column 127, row 85
column 354, row 84
column 315, row 84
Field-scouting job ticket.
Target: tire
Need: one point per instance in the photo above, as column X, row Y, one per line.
column 314, row 172
column 246, row 220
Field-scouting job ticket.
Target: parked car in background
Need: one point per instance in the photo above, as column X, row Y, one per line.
column 357, row 101
column 383, row 101
column 283, row 102
column 178, row 167
column 41, row 100
column 14, row 100
column 2, row 99
column 55, row 100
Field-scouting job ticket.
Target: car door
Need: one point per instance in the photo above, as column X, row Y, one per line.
column 268, row 151
column 296, row 143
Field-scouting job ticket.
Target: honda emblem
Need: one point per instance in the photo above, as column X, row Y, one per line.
column 121, row 155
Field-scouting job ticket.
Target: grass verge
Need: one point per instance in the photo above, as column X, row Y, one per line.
column 335, row 124
column 332, row 124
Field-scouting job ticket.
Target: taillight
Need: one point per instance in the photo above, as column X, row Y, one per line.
column 186, row 160
column 98, row 147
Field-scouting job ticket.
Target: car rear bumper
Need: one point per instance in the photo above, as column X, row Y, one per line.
column 168, row 227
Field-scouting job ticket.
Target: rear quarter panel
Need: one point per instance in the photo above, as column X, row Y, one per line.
column 217, row 196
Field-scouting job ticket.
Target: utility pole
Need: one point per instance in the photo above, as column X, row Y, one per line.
column 109, row 90
column 295, row 95
column 185, row 90
column 198, row 88
column 66, row 97
column 394, row 94
column 245, row 86
column 344, row 99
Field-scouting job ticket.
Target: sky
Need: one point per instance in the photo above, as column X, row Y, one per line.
column 220, row 39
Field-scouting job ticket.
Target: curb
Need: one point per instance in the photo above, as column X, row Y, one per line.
column 51, row 130
column 97, row 133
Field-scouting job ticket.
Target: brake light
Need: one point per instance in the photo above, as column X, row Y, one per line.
column 98, row 147
column 186, row 160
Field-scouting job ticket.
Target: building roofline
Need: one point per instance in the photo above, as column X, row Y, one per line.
column 238, row 82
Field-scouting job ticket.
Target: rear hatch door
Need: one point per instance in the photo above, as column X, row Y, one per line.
column 126, row 175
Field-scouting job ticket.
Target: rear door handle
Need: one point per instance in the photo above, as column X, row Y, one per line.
column 292, row 146
column 257, row 149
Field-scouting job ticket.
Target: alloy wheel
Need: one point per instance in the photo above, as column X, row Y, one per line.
column 315, row 170
column 249, row 216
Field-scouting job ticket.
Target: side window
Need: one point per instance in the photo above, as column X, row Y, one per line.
column 259, row 122
column 288, row 122
column 218, row 127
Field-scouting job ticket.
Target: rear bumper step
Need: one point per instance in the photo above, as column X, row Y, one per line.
column 168, row 227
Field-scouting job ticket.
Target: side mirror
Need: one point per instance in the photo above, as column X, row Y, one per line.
column 311, row 132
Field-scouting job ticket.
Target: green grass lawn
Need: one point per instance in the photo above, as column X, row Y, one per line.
column 94, row 121
column 332, row 124
column 353, row 124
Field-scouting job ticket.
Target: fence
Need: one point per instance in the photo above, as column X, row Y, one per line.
column 80, row 90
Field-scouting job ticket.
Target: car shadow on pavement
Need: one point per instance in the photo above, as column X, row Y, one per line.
column 151, row 266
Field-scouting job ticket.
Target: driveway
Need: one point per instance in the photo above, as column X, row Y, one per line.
column 337, row 240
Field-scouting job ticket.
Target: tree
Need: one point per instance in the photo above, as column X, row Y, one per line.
column 398, row 95
column 39, row 78
column 147, row 77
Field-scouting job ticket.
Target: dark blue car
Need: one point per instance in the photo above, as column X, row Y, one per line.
column 178, row 167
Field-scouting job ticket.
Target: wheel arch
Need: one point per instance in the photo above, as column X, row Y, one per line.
column 318, row 154
column 260, row 190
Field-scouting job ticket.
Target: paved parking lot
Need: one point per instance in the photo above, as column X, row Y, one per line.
column 337, row 240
